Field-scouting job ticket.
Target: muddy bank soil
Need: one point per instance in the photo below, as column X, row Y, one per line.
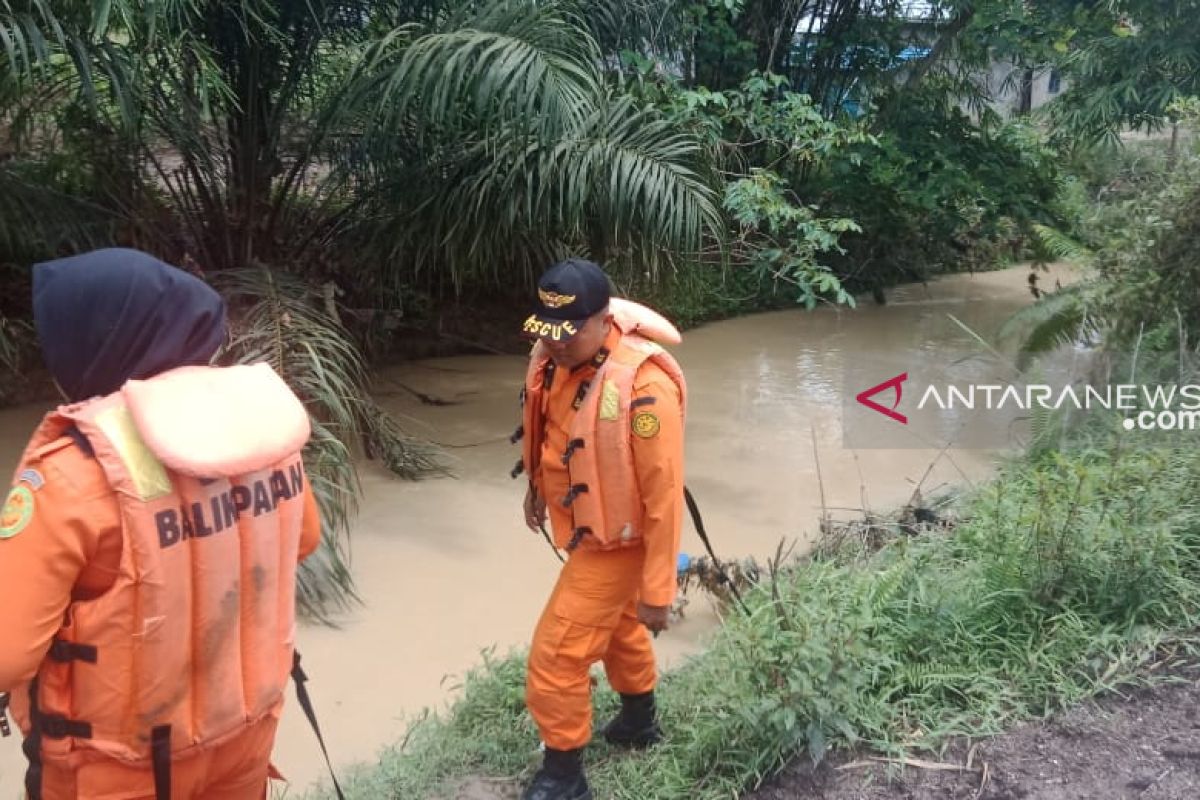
column 1143, row 744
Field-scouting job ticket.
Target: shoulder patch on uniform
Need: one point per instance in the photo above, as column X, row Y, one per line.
column 646, row 424
column 32, row 477
column 17, row 511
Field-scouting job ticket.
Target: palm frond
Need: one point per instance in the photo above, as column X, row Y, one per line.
column 642, row 175
column 643, row 26
column 17, row 343
column 276, row 320
column 622, row 179
column 37, row 220
column 1055, row 319
column 508, row 60
column 1051, row 244
column 30, row 34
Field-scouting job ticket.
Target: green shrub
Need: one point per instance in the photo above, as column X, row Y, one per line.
column 1064, row 575
column 935, row 192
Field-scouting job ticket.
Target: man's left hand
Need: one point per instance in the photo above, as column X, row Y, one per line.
column 653, row 617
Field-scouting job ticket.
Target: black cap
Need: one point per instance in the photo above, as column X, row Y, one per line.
column 568, row 293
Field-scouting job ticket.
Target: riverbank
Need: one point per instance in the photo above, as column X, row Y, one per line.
column 1142, row 744
column 446, row 569
column 1064, row 577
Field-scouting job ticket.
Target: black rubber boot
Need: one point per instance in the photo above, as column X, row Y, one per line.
column 560, row 778
column 636, row 725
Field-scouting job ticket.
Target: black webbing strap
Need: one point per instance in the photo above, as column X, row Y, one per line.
column 5, row 730
column 550, row 542
column 160, row 760
column 694, row 510
column 81, row 441
column 50, row 726
column 572, row 446
column 574, row 492
column 577, row 537
column 32, row 747
column 580, row 393
column 63, row 651
column 56, row 726
column 306, row 705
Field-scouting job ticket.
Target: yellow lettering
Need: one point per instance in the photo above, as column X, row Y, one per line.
column 553, row 330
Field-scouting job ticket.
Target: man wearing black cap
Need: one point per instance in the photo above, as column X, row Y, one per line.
column 603, row 449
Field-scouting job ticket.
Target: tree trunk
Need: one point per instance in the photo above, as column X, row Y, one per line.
column 941, row 47
column 253, row 71
column 770, row 25
column 1025, row 101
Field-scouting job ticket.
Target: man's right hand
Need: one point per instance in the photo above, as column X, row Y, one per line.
column 535, row 510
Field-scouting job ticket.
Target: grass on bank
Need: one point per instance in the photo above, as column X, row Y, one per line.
column 1064, row 576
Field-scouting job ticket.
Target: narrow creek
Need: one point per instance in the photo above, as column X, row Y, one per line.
column 446, row 568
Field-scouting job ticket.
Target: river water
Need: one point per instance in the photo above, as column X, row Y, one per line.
column 446, row 568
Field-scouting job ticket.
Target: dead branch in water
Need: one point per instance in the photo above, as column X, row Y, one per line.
column 820, row 480
column 866, row 531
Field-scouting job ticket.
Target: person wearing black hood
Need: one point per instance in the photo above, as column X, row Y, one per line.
column 148, row 545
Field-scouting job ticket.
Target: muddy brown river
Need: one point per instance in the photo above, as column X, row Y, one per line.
column 447, row 569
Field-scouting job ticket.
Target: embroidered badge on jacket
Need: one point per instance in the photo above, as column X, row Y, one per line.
column 17, row 511
column 645, row 424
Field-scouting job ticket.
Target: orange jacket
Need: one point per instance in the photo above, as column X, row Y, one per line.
column 144, row 595
column 614, row 426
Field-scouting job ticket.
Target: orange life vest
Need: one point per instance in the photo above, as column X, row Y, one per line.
column 193, row 642
column 604, row 500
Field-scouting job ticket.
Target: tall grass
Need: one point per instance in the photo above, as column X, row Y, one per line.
column 1066, row 575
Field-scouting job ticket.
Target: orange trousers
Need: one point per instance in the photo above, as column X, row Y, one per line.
column 591, row 616
column 236, row 770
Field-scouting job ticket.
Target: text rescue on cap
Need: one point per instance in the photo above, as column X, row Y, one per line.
column 546, row 330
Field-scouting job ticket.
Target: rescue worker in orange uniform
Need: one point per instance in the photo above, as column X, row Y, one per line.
column 149, row 543
column 603, row 411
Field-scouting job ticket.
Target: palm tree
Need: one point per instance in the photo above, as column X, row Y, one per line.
column 370, row 144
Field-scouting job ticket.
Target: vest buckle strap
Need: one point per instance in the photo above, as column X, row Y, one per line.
column 577, row 537
column 64, row 651
column 577, row 403
column 516, row 471
column 572, row 446
column 5, row 730
column 573, row 492
column 160, row 759
column 56, row 726
column 517, row 435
